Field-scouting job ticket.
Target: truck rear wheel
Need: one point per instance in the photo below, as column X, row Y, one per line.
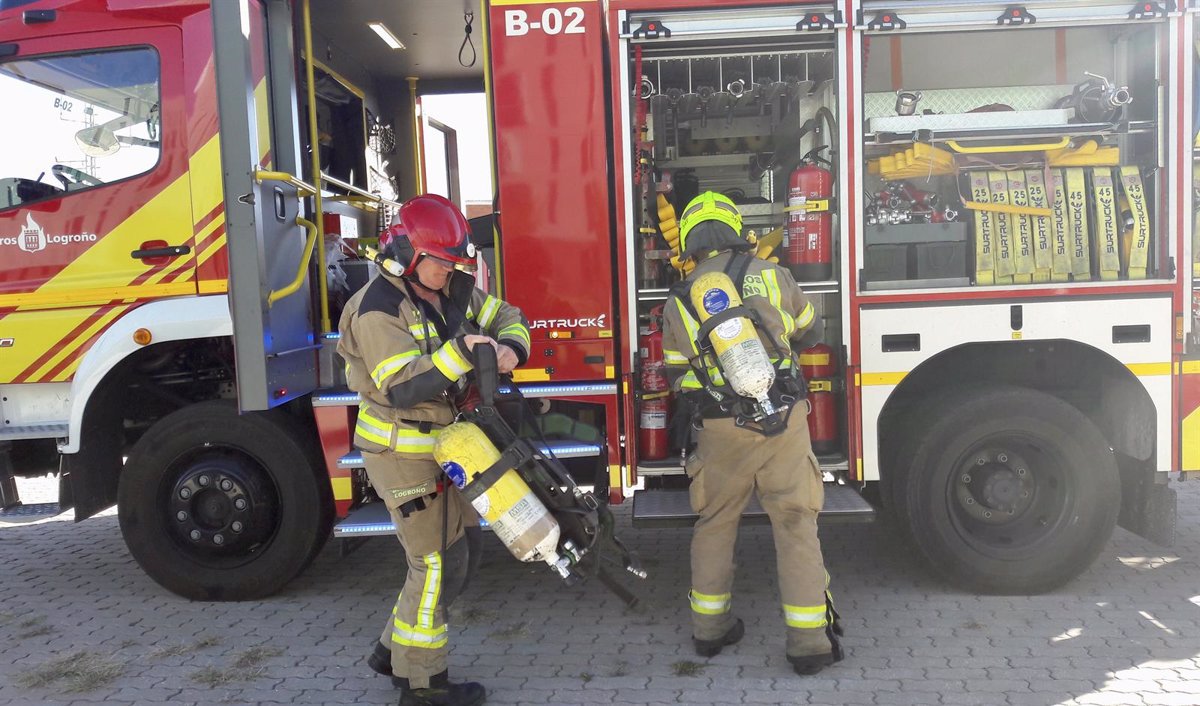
column 219, row 506
column 1009, row 491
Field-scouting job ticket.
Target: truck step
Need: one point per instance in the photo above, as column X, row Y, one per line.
column 34, row 431
column 671, row 466
column 560, row 449
column 33, row 510
column 672, row 508
column 370, row 520
column 340, row 396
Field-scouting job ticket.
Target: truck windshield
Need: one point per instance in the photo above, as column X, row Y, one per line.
column 76, row 121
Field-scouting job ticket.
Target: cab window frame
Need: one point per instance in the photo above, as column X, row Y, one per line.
column 150, row 169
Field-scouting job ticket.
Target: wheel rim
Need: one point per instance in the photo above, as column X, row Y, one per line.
column 221, row 506
column 1009, row 493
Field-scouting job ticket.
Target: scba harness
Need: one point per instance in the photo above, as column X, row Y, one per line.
column 767, row 414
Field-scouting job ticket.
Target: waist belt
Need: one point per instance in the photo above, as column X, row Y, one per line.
column 385, row 435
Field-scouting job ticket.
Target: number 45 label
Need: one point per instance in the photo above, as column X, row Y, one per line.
column 553, row 21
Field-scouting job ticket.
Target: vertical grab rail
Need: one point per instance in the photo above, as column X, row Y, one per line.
column 315, row 150
column 312, row 232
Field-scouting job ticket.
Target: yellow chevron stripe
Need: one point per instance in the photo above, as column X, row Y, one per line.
column 208, row 229
column 60, row 305
column 261, row 105
column 69, row 371
column 204, row 169
column 169, row 269
column 212, row 286
column 70, row 347
column 1149, row 369
column 1139, row 369
column 868, row 379
column 92, row 297
column 211, row 250
column 166, row 216
column 33, row 334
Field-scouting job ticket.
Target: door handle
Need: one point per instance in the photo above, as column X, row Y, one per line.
column 169, row 251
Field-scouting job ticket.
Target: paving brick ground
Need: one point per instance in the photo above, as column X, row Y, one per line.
column 1126, row 632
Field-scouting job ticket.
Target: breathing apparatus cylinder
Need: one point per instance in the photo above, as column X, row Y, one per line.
column 744, row 362
column 516, row 515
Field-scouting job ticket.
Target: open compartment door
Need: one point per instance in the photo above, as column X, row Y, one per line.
column 269, row 294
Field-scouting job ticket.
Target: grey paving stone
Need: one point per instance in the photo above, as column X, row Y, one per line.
column 912, row 641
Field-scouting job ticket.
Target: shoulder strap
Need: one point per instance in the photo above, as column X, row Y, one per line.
column 740, row 261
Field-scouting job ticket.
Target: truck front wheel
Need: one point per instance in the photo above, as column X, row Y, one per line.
column 219, row 506
column 1009, row 491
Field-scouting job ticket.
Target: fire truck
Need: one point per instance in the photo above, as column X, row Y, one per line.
column 990, row 204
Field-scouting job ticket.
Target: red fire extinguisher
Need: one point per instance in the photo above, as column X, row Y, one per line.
column 816, row 362
column 809, row 233
column 652, row 427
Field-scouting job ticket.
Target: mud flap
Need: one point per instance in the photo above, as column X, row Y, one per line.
column 1148, row 509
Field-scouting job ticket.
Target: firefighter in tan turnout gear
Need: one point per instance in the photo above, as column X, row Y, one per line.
column 407, row 339
column 734, row 365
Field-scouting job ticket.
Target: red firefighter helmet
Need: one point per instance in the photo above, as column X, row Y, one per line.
column 430, row 226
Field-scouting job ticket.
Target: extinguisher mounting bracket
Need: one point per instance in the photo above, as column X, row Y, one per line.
column 813, row 206
column 815, row 21
column 649, row 29
column 884, row 21
column 1015, row 16
column 821, row 385
column 1150, row 10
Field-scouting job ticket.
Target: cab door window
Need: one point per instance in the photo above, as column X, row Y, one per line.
column 72, row 122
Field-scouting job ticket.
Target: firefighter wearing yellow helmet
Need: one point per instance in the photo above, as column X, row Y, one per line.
column 728, row 335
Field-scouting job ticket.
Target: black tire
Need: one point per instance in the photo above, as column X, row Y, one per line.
column 219, row 506
column 1010, row 491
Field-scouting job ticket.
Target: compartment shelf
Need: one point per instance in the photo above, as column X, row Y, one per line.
column 732, row 159
column 831, row 464
column 826, row 287
column 1019, row 132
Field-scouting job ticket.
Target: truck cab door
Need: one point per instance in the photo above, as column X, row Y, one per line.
column 95, row 212
column 256, row 98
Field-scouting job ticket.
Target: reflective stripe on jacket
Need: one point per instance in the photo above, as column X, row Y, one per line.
column 393, row 350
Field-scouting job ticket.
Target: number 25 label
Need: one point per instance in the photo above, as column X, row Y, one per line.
column 553, row 21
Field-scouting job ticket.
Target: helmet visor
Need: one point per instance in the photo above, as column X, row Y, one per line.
column 462, row 265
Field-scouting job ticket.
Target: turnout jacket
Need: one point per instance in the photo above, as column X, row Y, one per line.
column 785, row 312
column 406, row 360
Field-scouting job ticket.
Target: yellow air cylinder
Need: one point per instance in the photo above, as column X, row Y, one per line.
column 744, row 361
column 519, row 519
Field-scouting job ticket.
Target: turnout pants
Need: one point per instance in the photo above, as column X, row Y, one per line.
column 727, row 466
column 416, row 631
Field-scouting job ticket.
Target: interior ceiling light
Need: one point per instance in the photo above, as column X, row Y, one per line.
column 386, row 35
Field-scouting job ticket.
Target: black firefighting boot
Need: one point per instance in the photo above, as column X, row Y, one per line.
column 380, row 662
column 712, row 648
column 442, row 693
column 808, row 665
